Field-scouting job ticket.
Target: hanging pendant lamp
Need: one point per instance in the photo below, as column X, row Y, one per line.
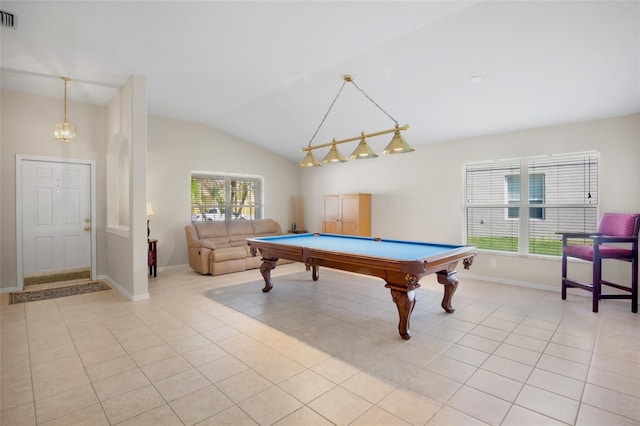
column 65, row 131
column 363, row 151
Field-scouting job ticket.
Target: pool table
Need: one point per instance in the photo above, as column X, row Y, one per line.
column 401, row 264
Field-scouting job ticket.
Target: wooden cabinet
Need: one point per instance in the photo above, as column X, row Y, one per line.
column 347, row 214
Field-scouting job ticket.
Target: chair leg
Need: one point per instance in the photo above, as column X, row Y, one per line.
column 634, row 286
column 597, row 284
column 564, row 276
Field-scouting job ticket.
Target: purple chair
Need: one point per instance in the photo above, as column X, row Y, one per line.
column 614, row 228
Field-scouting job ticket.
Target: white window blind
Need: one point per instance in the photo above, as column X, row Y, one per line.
column 571, row 200
column 489, row 206
column 222, row 197
column 561, row 195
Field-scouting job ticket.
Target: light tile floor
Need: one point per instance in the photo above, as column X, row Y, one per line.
column 217, row 351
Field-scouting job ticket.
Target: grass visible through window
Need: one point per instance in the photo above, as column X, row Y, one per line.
column 536, row 245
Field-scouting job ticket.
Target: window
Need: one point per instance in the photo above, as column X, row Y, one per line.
column 563, row 189
column 536, row 195
column 225, row 197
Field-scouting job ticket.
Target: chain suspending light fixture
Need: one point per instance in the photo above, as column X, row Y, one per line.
column 65, row 131
column 397, row 145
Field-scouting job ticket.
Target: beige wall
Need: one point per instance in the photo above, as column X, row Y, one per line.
column 419, row 196
column 177, row 148
column 27, row 129
column 415, row 196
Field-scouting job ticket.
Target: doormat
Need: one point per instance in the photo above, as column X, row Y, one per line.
column 52, row 293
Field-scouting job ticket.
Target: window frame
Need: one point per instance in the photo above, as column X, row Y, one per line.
column 227, row 178
column 481, row 199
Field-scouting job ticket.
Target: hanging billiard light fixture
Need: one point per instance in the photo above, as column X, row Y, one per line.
column 397, row 145
column 65, row 131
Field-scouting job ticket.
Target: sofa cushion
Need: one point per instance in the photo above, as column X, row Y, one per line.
column 239, row 231
column 229, row 253
column 235, row 265
column 214, row 231
column 263, row 227
column 203, row 243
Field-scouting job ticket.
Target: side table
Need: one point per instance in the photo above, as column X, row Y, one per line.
column 153, row 257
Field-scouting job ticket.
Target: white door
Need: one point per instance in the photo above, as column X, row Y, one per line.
column 56, row 217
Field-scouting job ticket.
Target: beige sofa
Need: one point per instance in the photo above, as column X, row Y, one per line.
column 220, row 247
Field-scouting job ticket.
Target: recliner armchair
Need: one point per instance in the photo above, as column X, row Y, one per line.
column 616, row 238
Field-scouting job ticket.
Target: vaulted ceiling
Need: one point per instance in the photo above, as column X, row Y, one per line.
column 267, row 71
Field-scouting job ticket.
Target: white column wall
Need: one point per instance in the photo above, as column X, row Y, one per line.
column 127, row 249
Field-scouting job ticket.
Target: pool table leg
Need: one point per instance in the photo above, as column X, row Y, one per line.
column 450, row 282
column 265, row 270
column 405, row 301
column 315, row 271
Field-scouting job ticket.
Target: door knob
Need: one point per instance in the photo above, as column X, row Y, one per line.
column 87, row 228
column 87, row 220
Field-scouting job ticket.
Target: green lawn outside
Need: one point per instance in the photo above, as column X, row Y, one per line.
column 536, row 246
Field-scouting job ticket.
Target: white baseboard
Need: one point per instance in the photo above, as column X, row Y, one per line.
column 526, row 284
column 9, row 289
column 124, row 292
column 140, row 297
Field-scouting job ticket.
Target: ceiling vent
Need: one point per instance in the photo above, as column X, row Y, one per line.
column 8, row 19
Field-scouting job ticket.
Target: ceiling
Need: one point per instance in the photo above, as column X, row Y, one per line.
column 267, row 72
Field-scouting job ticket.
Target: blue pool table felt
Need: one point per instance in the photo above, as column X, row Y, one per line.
column 390, row 249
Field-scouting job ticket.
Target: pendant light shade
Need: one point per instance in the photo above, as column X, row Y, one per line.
column 64, row 131
column 309, row 161
column 334, row 156
column 397, row 145
column 363, row 151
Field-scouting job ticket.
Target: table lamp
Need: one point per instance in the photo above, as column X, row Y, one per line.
column 149, row 213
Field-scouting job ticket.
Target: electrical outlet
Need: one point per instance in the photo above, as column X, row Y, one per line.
column 493, row 263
